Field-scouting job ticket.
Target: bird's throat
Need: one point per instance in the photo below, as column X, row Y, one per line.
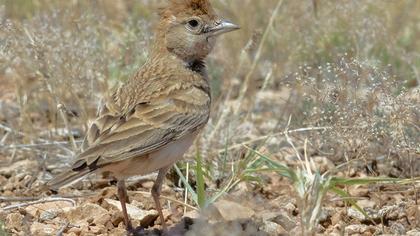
column 198, row 66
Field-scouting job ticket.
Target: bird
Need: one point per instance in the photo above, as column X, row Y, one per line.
column 147, row 123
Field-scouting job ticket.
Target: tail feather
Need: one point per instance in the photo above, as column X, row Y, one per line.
column 67, row 178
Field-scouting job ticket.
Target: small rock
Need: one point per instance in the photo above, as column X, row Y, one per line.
column 74, row 230
column 267, row 215
column 365, row 203
column 134, row 212
column 97, row 229
column 323, row 164
column 43, row 229
column 47, row 215
column 398, row 228
column 355, row 214
column 285, row 221
column 116, row 217
column 336, row 218
column 192, row 214
column 232, row 211
column 273, row 229
column 86, row 213
column 359, row 191
column 118, row 232
column 290, row 207
column 14, row 221
column 48, row 210
column 356, row 229
column 413, row 232
column 326, row 214
column 71, row 234
column 102, row 219
column 386, row 213
column 148, row 184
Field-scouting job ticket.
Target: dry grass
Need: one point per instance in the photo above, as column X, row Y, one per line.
column 351, row 68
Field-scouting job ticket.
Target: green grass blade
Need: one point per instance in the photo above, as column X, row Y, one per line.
column 362, row 181
column 201, row 192
column 276, row 166
column 347, row 198
column 187, row 185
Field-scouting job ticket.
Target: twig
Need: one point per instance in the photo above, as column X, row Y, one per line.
column 167, row 198
column 62, row 228
column 28, row 199
column 40, row 201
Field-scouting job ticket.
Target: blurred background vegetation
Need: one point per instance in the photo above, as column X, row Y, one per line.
column 349, row 69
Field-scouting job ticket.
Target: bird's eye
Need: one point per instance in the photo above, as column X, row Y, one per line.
column 193, row 24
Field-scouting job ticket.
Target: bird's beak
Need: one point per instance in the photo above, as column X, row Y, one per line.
column 222, row 27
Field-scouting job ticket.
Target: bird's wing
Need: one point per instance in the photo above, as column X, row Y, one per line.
column 144, row 127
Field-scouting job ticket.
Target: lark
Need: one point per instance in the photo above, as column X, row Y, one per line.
column 150, row 121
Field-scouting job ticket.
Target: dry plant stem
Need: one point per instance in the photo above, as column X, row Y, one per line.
column 28, row 199
column 225, row 112
column 257, row 101
column 62, row 111
column 63, row 227
column 257, row 57
column 10, row 130
column 239, row 145
column 186, row 190
column 35, row 145
column 186, row 205
column 40, row 201
column 3, row 140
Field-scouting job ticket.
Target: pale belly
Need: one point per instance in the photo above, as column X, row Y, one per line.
column 154, row 161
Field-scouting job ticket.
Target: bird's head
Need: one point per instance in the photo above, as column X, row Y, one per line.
column 189, row 28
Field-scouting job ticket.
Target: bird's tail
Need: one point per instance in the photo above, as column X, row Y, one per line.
column 67, row 178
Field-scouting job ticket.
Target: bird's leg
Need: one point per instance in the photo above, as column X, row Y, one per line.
column 122, row 196
column 157, row 187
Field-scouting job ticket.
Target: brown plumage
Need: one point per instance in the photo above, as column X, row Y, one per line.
column 148, row 123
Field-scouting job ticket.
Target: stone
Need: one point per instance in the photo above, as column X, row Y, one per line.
column 48, row 210
column 85, row 214
column 43, row 229
column 398, row 228
column 232, row 211
column 14, row 221
column 323, row 164
column 366, row 203
column 102, row 219
column 273, row 228
column 135, row 212
column 192, row 214
column 285, row 221
column 356, row 229
column 413, row 232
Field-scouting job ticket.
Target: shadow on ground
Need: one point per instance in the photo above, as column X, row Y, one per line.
column 196, row 227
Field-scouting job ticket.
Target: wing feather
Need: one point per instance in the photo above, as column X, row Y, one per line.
column 146, row 127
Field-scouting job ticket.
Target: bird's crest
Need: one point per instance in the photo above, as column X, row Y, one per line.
column 186, row 8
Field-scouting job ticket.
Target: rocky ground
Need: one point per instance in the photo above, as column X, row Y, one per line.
column 336, row 83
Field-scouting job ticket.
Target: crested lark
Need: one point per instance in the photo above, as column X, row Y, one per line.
column 148, row 123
